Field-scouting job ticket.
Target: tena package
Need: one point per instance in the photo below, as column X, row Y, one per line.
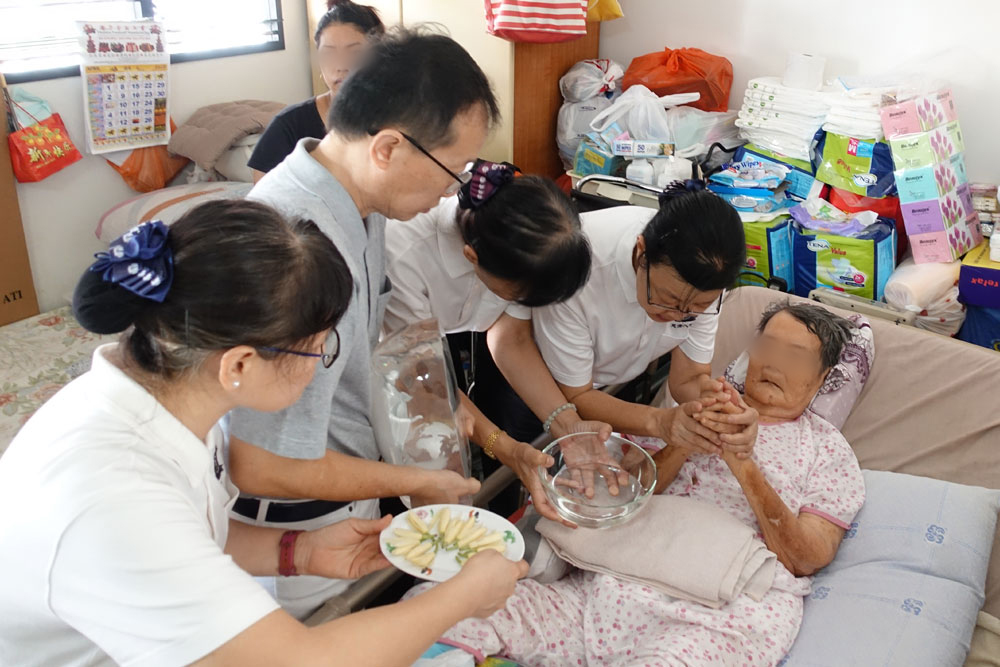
column 861, row 166
column 858, row 265
column 769, row 249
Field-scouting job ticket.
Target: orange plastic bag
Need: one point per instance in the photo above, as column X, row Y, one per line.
column 150, row 168
column 684, row 71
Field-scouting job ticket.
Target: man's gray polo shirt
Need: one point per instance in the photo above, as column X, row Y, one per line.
column 334, row 410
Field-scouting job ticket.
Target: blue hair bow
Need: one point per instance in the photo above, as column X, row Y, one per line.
column 140, row 260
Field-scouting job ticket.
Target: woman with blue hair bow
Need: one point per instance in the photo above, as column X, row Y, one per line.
column 119, row 542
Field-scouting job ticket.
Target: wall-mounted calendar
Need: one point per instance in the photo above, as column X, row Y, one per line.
column 125, row 72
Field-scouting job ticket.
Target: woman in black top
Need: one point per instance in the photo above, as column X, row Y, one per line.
column 341, row 36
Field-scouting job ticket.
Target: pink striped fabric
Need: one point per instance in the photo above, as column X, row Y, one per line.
column 537, row 20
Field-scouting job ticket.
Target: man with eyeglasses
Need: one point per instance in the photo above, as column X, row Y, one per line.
column 403, row 128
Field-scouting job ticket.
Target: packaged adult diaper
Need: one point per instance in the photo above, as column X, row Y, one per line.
column 769, row 250
column 858, row 265
column 861, row 166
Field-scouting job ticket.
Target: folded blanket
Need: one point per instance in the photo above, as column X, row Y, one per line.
column 212, row 129
column 685, row 548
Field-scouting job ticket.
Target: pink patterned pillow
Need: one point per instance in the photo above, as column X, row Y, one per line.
column 835, row 399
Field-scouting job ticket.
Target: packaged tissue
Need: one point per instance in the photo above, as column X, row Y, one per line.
column 918, row 114
column 858, row 265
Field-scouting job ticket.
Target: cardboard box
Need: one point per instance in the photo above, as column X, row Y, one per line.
column 17, row 290
column 593, row 159
column 979, row 278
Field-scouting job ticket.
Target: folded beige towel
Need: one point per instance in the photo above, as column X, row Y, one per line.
column 685, row 548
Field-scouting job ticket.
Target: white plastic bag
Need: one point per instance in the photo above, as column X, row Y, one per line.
column 574, row 122
column 590, row 78
column 695, row 130
column 641, row 113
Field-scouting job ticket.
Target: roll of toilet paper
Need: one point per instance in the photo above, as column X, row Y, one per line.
column 804, row 71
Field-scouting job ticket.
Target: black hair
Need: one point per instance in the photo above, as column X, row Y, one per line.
column 529, row 233
column 414, row 81
column 698, row 234
column 833, row 331
column 362, row 17
column 243, row 275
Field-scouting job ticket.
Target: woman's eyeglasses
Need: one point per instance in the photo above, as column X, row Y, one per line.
column 460, row 179
column 689, row 315
column 326, row 358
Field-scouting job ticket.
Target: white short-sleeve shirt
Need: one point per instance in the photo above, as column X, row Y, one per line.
column 602, row 334
column 113, row 524
column 432, row 278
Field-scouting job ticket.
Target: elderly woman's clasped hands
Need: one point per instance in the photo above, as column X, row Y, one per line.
column 722, row 410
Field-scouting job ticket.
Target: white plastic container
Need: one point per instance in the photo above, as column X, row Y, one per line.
column 995, row 247
column 640, row 171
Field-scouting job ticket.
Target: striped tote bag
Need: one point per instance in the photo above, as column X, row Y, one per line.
column 537, row 20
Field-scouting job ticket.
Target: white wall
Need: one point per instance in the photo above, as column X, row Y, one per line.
column 955, row 40
column 60, row 213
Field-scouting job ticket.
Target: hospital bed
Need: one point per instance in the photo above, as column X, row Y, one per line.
column 931, row 408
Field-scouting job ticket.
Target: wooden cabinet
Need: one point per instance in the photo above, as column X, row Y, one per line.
column 524, row 76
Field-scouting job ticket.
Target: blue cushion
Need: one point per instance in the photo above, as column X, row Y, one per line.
column 908, row 580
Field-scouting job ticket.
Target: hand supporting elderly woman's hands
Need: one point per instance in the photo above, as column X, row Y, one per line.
column 727, row 414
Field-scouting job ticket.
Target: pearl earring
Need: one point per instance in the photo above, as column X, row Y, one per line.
column 236, row 385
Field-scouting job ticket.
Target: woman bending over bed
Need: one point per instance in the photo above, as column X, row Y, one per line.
column 800, row 489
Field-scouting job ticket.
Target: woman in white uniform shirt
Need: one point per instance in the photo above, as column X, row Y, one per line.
column 480, row 262
column 122, row 550
column 656, row 287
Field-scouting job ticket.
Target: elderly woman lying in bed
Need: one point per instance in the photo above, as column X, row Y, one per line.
column 800, row 488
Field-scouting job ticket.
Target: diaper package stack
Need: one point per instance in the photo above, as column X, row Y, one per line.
column 928, row 151
column 757, row 188
column 781, row 119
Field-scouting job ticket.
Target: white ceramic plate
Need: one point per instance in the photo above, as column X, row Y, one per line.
column 444, row 566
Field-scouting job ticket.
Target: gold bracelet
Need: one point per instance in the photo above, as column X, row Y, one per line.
column 491, row 440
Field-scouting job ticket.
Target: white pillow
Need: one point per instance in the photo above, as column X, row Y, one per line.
column 166, row 204
column 908, row 580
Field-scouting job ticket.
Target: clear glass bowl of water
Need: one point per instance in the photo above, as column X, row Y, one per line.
column 597, row 484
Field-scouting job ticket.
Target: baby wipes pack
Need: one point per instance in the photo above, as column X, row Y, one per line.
column 800, row 176
column 858, row 265
column 769, row 250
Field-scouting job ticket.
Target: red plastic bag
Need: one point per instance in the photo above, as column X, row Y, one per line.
column 540, row 21
column 684, row 71
column 150, row 168
column 886, row 207
column 41, row 150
